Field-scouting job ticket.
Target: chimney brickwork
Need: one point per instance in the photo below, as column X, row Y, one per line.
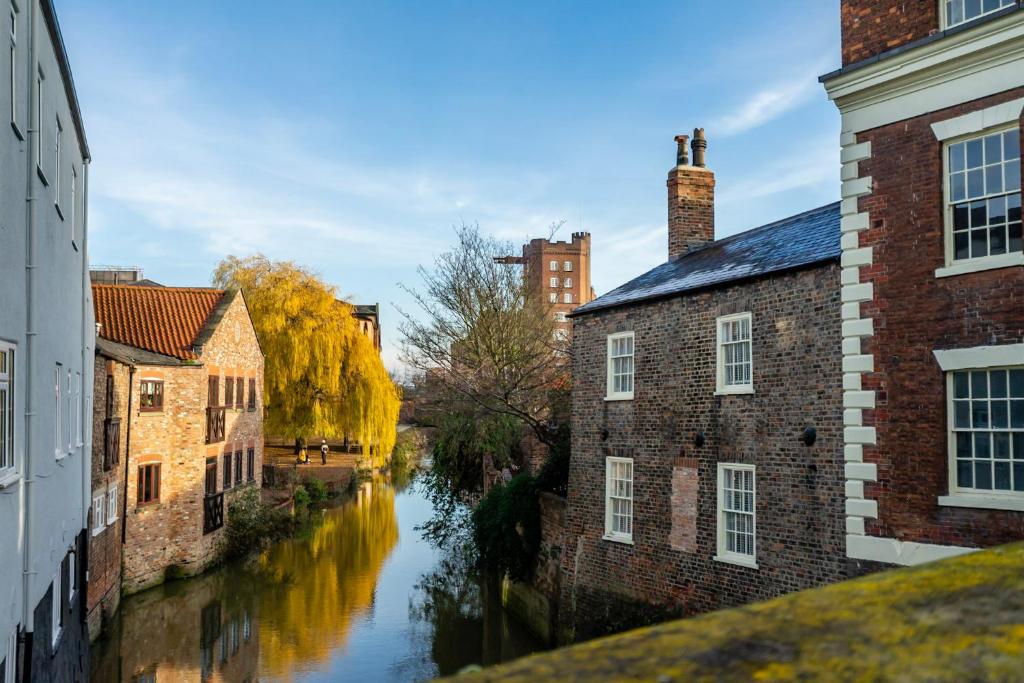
column 691, row 199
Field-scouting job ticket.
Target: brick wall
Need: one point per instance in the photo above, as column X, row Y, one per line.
column 105, row 546
column 871, row 27
column 914, row 313
column 796, row 332
column 691, row 209
column 170, row 532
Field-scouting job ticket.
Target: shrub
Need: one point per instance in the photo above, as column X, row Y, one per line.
column 251, row 524
column 301, row 496
column 506, row 527
column 318, row 493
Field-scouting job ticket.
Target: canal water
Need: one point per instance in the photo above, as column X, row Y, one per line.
column 358, row 596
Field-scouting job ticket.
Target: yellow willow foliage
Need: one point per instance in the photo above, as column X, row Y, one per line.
column 325, row 584
column 323, row 377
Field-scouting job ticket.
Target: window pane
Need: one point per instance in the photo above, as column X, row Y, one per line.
column 964, row 474
column 999, row 414
column 1001, row 446
column 982, row 445
column 993, row 149
column 956, row 157
column 1017, row 414
column 1017, row 383
column 979, row 384
column 1011, row 144
column 1002, row 476
column 994, row 179
column 974, row 153
column 983, row 474
column 963, row 445
column 979, row 414
column 958, row 187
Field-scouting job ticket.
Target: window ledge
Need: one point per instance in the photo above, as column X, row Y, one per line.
column 17, row 131
column 980, row 500
column 97, row 532
column 8, row 480
column 981, row 264
column 735, row 391
column 739, row 561
column 61, row 456
column 60, row 212
column 619, row 397
column 42, row 176
column 617, row 539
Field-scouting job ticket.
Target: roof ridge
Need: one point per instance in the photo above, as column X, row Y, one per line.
column 159, row 288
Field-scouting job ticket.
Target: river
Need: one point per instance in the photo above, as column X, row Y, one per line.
column 358, row 595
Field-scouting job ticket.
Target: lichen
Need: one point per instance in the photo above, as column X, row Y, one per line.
column 955, row 620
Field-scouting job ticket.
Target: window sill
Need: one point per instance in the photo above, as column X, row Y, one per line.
column 619, row 397
column 61, row 456
column 981, row 264
column 980, row 500
column 8, row 480
column 739, row 561
column 60, row 213
column 17, row 131
column 735, row 391
column 618, row 539
column 42, row 176
column 97, row 532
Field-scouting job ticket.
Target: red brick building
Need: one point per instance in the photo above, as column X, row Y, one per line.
column 706, row 466
column 179, row 380
column 931, row 95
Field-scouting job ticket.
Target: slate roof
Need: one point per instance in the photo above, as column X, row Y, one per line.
column 796, row 242
column 168, row 321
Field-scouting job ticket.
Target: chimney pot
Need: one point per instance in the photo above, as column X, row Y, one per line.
column 682, row 150
column 700, row 144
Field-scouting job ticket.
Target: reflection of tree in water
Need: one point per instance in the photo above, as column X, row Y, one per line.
column 320, row 585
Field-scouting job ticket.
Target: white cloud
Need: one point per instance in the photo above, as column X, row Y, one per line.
column 773, row 101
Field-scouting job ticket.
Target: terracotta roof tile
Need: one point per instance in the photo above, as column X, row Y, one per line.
column 163, row 320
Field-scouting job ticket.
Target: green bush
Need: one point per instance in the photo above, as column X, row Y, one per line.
column 251, row 524
column 506, row 527
column 301, row 496
column 318, row 493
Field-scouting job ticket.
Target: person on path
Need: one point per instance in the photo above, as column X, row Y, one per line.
column 323, row 451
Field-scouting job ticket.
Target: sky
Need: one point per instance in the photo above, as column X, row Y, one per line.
column 351, row 137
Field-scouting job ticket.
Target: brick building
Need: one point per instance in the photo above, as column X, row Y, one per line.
column 559, row 272
column 368, row 316
column 184, row 372
column 706, row 465
column 931, row 95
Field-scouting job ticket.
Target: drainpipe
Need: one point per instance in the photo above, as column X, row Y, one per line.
column 127, row 451
column 32, row 128
column 85, row 387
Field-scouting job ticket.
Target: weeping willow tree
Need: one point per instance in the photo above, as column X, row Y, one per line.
column 323, row 376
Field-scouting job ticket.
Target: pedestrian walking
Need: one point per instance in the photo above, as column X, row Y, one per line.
column 323, row 451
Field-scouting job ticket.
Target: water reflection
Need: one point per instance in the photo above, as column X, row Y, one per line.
column 358, row 596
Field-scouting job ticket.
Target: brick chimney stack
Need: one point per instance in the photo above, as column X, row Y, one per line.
column 691, row 198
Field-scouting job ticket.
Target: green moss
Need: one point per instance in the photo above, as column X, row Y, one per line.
column 956, row 620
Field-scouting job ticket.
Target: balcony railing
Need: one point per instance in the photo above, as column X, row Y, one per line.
column 213, row 512
column 111, row 442
column 214, row 425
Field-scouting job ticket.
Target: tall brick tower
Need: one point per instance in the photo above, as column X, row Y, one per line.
column 931, row 95
column 559, row 272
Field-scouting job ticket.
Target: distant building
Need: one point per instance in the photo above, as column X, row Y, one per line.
column 181, row 373
column 46, row 351
column 115, row 275
column 368, row 316
column 559, row 272
column 706, row 466
column 931, row 95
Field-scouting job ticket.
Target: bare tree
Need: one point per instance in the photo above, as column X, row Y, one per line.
column 486, row 339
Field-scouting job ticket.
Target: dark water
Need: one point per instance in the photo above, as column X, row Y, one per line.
column 359, row 596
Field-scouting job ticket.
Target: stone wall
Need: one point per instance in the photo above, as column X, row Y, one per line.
column 170, row 532
column 914, row 313
column 670, row 567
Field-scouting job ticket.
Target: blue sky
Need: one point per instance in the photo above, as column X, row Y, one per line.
column 351, row 137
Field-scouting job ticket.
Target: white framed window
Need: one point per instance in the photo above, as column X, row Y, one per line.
column 735, row 354
column 74, row 206
column 99, row 511
column 618, row 516
column 553, row 266
column 737, row 520
column 553, row 297
column 553, row 282
column 57, row 412
column 58, row 140
column 79, row 415
column 567, row 297
column 961, row 11
column 14, row 66
column 69, row 412
column 567, row 266
column 567, row 282
column 983, row 198
column 57, row 606
column 986, row 423
column 112, row 504
column 39, row 125
column 620, row 366
column 560, row 317
column 8, row 463
column 72, row 575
